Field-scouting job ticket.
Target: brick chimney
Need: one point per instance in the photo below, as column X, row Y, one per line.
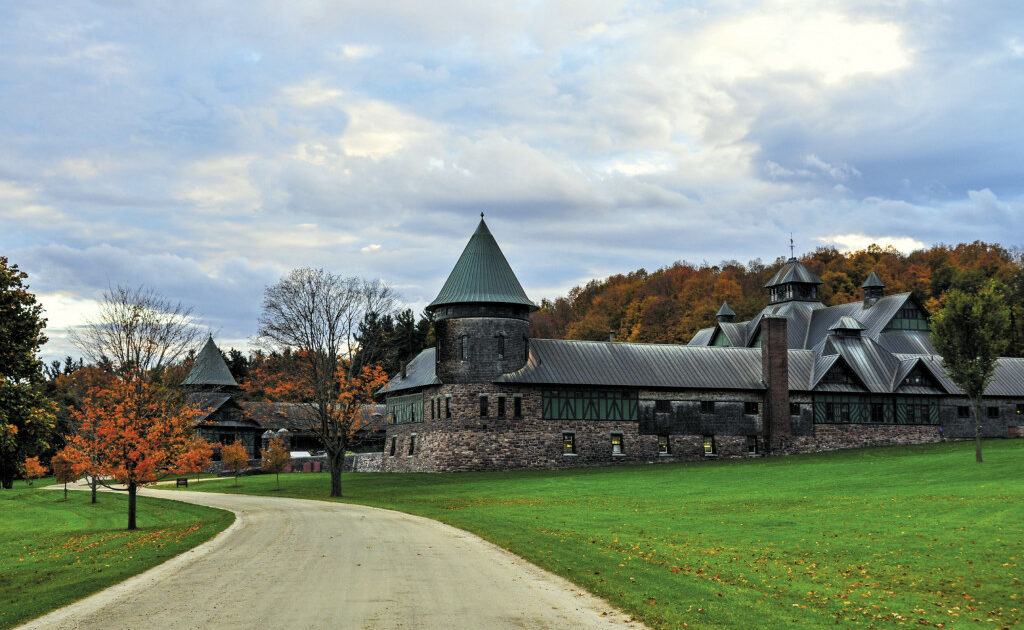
column 775, row 374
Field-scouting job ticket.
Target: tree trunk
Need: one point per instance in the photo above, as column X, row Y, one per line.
column 93, row 483
column 336, row 459
column 278, row 475
column 65, row 491
column 977, row 429
column 6, row 474
column 131, row 505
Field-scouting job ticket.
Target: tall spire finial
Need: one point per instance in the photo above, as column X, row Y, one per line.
column 481, row 215
column 792, row 250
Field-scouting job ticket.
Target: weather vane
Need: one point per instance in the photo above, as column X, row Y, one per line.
column 792, row 252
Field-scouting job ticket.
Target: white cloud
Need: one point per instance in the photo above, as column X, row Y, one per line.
column 372, row 247
column 856, row 241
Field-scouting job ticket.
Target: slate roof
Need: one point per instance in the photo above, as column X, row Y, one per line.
column 418, row 373
column 210, row 368
column 793, row 271
column 482, row 274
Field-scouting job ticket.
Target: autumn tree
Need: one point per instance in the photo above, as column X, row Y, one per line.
column 235, row 458
column 970, row 332
column 197, row 456
column 135, row 428
column 316, row 313
column 26, row 417
column 275, row 458
column 132, row 433
column 64, row 471
column 32, row 469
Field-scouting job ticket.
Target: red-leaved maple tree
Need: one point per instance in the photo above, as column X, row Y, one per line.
column 132, row 433
column 33, row 469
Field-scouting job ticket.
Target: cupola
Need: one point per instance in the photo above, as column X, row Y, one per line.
column 873, row 289
column 793, row 282
column 725, row 314
column 846, row 327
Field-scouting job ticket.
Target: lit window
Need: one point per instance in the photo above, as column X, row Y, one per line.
column 709, row 446
column 568, row 443
column 483, row 405
column 1020, row 408
column 663, row 445
column 616, row 444
column 750, row 408
column 707, row 406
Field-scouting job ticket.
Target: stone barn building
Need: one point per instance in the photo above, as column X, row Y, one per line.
column 799, row 377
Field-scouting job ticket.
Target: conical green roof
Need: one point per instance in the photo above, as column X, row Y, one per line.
column 210, row 368
column 725, row 311
column 482, row 275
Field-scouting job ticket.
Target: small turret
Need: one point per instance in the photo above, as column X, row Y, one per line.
column 874, row 288
column 793, row 282
column 725, row 314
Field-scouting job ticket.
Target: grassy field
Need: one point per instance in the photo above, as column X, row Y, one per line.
column 53, row 553
column 877, row 537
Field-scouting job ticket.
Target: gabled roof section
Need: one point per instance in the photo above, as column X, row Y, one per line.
column 702, row 337
column 874, row 318
column 735, row 333
column 872, row 281
column 210, row 368
column 418, row 373
column 482, row 275
column 793, row 271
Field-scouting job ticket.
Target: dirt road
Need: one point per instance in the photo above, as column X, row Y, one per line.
column 290, row 563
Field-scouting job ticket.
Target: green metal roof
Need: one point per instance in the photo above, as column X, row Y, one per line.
column 873, row 281
column 210, row 368
column 482, row 275
column 793, row 271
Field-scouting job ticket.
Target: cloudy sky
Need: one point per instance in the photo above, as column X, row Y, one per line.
column 205, row 148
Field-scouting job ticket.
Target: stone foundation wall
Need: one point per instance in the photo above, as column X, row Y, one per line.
column 831, row 437
column 364, row 462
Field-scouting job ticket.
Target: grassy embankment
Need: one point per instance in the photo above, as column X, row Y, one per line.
column 876, row 537
column 53, row 553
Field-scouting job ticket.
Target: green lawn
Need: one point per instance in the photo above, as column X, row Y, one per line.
column 53, row 553
column 876, row 537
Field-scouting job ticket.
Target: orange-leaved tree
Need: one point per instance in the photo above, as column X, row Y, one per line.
column 334, row 412
column 64, row 471
column 275, row 458
column 196, row 458
column 33, row 469
column 132, row 432
column 235, row 458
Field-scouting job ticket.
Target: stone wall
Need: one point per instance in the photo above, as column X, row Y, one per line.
column 469, row 441
column 483, row 363
column 364, row 462
column 830, row 437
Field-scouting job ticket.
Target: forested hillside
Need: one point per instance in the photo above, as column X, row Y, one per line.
column 671, row 304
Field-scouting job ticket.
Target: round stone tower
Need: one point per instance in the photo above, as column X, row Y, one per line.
column 481, row 316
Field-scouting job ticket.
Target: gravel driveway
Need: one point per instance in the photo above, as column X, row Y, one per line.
column 293, row 563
